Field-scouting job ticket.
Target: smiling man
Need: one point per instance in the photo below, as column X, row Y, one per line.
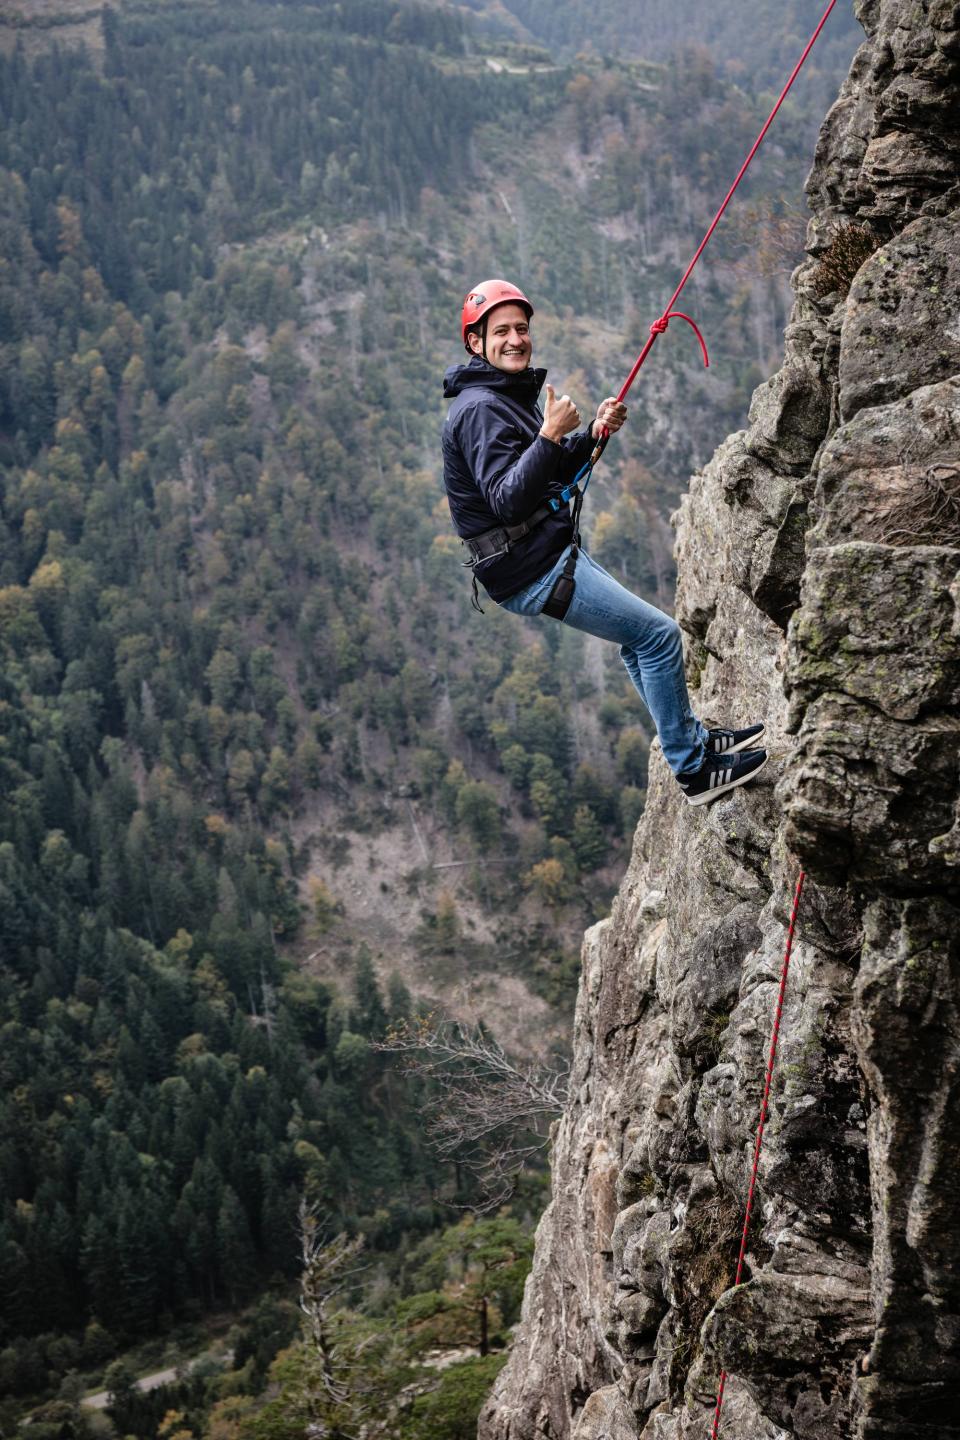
column 505, row 464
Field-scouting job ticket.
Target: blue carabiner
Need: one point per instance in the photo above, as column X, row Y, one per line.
column 568, row 492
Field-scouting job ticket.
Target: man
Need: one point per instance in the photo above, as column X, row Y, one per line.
column 506, row 463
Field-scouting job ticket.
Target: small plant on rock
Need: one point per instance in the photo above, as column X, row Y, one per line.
column 850, row 247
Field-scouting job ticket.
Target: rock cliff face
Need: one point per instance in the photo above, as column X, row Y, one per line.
column 818, row 586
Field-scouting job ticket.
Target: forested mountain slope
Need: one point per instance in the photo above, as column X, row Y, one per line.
column 757, row 42
column 244, row 709
column 34, row 25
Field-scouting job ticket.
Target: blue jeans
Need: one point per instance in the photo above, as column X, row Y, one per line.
column 650, row 648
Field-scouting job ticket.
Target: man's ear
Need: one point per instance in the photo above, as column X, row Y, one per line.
column 475, row 342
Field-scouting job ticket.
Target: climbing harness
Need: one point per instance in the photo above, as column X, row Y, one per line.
column 496, row 542
column 562, row 592
column 758, row 1142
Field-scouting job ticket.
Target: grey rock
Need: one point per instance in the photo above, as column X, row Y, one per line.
column 868, row 801
column 789, row 414
column 606, row 1416
column 898, row 173
column 772, row 1333
column 909, row 984
column 818, row 588
column 901, row 326
column 876, row 624
column 881, row 473
column 701, row 1001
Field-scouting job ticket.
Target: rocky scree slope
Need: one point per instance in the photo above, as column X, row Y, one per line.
column 818, row 586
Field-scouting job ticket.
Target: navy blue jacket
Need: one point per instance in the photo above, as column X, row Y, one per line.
column 498, row 469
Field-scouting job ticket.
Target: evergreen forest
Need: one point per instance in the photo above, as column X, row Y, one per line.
column 269, row 789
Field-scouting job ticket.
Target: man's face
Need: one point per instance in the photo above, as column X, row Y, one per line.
column 509, row 346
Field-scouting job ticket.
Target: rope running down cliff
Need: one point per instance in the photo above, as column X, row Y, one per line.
column 764, row 1105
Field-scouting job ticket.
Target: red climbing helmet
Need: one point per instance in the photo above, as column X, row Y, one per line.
column 484, row 297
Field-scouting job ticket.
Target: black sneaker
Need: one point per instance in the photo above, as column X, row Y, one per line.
column 720, row 773
column 725, row 742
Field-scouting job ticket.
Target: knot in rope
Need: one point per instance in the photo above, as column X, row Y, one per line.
column 659, row 327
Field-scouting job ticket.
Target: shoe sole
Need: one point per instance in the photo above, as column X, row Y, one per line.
column 719, row 790
column 752, row 742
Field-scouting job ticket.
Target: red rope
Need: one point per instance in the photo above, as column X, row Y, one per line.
column 659, row 326
column 764, row 1105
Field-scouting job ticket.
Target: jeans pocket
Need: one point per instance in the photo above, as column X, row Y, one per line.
column 531, row 600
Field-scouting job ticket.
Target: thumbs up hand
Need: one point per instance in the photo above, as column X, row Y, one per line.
column 559, row 416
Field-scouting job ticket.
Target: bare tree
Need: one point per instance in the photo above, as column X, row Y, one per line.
column 330, row 1397
column 340, row 1382
column 768, row 237
column 482, row 1110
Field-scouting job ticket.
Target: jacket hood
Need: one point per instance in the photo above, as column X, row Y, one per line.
column 525, row 385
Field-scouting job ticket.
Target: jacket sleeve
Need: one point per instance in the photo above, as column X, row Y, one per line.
column 580, row 446
column 514, row 477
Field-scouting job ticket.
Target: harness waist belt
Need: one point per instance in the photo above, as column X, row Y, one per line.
column 493, row 543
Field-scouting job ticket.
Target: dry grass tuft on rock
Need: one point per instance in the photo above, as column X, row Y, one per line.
column 928, row 515
column 714, row 1227
column 850, row 247
column 708, row 1257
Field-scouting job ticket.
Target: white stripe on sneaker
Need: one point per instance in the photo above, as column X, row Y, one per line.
column 729, row 742
column 723, row 782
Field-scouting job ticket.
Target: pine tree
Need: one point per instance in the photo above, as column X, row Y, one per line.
column 236, row 1259
column 587, row 838
column 370, row 1015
